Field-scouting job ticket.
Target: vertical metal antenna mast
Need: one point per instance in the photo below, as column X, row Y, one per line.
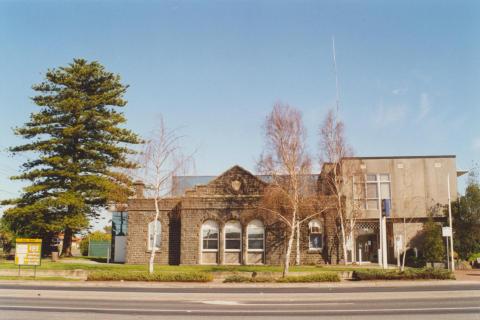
column 336, row 74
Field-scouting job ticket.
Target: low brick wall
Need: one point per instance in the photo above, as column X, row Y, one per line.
column 74, row 274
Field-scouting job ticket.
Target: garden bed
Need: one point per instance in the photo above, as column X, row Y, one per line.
column 408, row 274
column 166, row 276
column 315, row 277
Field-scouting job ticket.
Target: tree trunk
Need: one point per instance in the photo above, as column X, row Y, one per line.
column 344, row 244
column 47, row 244
column 297, row 256
column 404, row 244
column 67, row 243
column 154, row 243
column 289, row 251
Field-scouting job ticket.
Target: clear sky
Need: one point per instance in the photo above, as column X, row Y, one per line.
column 409, row 71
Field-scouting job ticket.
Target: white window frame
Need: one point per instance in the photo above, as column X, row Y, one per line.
column 378, row 182
column 318, row 233
column 255, row 224
column 206, row 223
column 227, row 225
column 159, row 235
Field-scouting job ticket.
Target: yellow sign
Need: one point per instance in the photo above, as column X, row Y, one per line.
column 28, row 252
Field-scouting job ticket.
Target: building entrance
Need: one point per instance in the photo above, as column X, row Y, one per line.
column 367, row 248
column 366, row 242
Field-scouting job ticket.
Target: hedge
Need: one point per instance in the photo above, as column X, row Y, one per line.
column 167, row 276
column 408, row 274
column 316, row 277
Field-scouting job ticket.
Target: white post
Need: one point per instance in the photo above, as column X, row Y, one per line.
column 448, row 258
column 380, row 221
column 450, row 223
column 384, row 242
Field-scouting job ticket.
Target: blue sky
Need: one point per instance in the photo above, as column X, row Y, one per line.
column 409, row 73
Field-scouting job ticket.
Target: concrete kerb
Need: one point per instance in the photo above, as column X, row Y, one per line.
column 78, row 274
column 219, row 284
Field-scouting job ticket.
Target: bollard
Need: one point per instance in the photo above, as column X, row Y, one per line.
column 54, row 256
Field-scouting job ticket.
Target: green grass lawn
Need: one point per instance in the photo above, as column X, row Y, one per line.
column 71, row 265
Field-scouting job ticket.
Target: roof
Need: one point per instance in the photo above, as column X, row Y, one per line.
column 180, row 184
column 406, row 157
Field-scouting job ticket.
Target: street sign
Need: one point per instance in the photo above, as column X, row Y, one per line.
column 28, row 252
column 446, row 232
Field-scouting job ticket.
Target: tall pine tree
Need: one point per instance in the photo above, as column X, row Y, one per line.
column 79, row 148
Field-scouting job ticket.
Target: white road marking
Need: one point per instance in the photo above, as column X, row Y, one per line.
column 238, row 303
column 53, row 309
column 227, row 303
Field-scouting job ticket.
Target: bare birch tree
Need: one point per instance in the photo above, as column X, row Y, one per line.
column 286, row 160
column 162, row 159
column 336, row 174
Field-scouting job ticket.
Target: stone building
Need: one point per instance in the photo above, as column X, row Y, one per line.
column 216, row 220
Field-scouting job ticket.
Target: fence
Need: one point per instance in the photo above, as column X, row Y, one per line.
column 99, row 248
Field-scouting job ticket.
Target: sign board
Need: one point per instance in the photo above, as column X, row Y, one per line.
column 446, row 232
column 28, row 252
column 386, row 207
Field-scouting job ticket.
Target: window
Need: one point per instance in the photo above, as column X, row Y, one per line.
column 315, row 234
column 119, row 223
column 233, row 236
column 210, row 236
column 255, row 236
column 151, row 237
column 377, row 188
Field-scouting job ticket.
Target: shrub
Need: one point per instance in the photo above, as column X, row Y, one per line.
column 167, row 276
column 237, row 278
column 433, row 243
column 415, row 261
column 463, row 265
column 474, row 257
column 409, row 274
column 315, row 277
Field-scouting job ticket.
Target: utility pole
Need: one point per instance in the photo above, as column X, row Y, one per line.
column 450, row 223
column 336, row 75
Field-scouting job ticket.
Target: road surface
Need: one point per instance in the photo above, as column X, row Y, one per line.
column 455, row 301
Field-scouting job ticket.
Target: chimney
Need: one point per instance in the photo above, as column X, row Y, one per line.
column 138, row 186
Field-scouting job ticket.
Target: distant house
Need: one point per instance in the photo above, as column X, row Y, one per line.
column 216, row 220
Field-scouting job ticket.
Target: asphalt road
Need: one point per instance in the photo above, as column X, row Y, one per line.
column 409, row 302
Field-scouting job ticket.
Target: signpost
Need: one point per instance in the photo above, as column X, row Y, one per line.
column 385, row 208
column 28, row 252
column 447, row 233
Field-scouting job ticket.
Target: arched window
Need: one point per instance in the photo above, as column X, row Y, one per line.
column 315, row 234
column 157, row 236
column 255, row 236
column 210, row 236
column 233, row 236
